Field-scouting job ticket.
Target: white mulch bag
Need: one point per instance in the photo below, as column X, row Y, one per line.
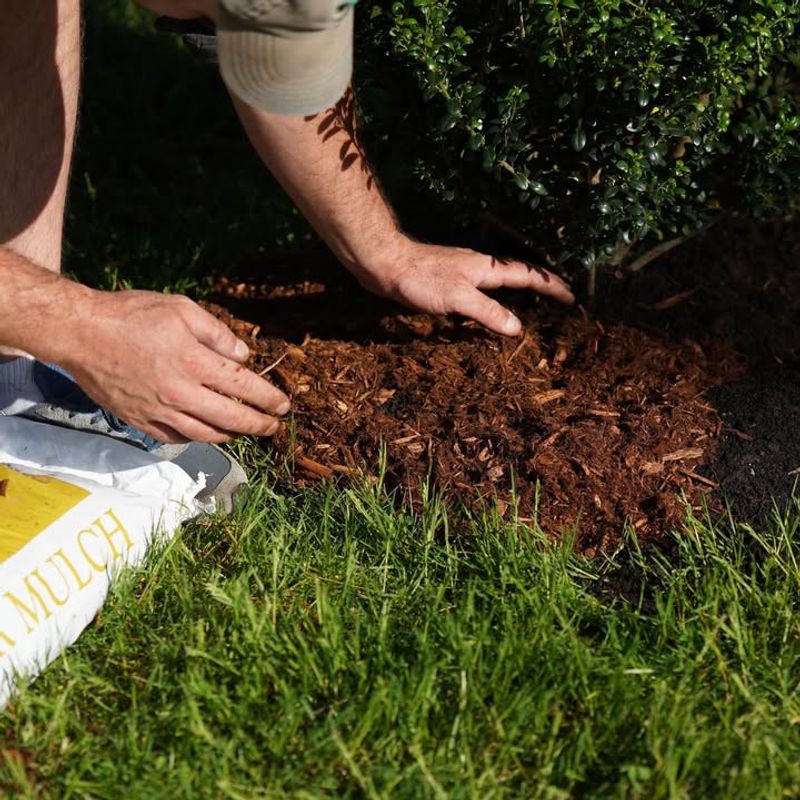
column 74, row 509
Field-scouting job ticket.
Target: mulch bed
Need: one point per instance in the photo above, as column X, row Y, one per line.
column 595, row 420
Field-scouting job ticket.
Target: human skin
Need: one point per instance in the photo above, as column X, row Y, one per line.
column 162, row 363
column 319, row 162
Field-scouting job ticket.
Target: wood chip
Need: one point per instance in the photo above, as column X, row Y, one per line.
column 584, row 467
column 683, row 455
column 525, row 340
column 600, row 412
column 670, row 302
column 288, row 379
column 553, row 436
column 348, row 457
column 495, row 473
column 406, row 439
column 341, row 406
column 548, row 397
column 652, row 467
column 561, row 355
column 343, row 470
column 700, row 478
column 295, row 353
column 384, row 395
column 314, row 467
column 272, row 366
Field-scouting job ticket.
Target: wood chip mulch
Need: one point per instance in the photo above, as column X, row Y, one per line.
column 611, row 422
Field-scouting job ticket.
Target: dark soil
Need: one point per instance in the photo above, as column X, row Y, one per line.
column 618, row 415
column 758, row 460
column 740, row 282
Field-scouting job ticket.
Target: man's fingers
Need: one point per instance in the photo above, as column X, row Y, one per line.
column 196, row 430
column 476, row 305
column 224, row 414
column 215, row 334
column 161, row 432
column 237, row 381
column 518, row 275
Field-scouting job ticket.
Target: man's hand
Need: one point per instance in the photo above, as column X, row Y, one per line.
column 165, row 365
column 321, row 164
column 443, row 280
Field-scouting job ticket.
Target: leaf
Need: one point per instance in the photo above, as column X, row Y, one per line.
column 578, row 140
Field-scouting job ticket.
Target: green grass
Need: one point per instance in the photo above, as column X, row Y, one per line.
column 323, row 643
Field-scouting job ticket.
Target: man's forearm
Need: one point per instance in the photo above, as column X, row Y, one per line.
column 38, row 308
column 320, row 164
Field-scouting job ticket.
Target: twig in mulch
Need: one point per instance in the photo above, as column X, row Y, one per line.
column 314, row 467
column 525, row 340
column 700, row 478
column 683, row 455
column 669, row 302
column 272, row 365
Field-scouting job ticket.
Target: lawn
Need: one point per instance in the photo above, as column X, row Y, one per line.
column 328, row 641
column 323, row 644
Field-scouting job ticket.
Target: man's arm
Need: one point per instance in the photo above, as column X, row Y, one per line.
column 319, row 162
column 160, row 362
column 31, row 296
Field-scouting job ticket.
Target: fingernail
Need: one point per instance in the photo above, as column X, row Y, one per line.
column 272, row 428
column 284, row 408
column 513, row 325
column 241, row 350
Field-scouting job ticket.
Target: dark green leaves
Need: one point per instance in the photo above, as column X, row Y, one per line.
column 585, row 125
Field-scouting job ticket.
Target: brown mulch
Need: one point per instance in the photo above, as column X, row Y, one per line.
column 611, row 421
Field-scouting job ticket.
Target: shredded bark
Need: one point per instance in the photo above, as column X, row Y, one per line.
column 577, row 422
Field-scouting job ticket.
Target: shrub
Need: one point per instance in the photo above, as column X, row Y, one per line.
column 596, row 130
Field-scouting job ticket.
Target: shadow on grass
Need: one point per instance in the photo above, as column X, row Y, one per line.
column 166, row 190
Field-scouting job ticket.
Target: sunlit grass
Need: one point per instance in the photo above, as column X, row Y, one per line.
column 323, row 643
